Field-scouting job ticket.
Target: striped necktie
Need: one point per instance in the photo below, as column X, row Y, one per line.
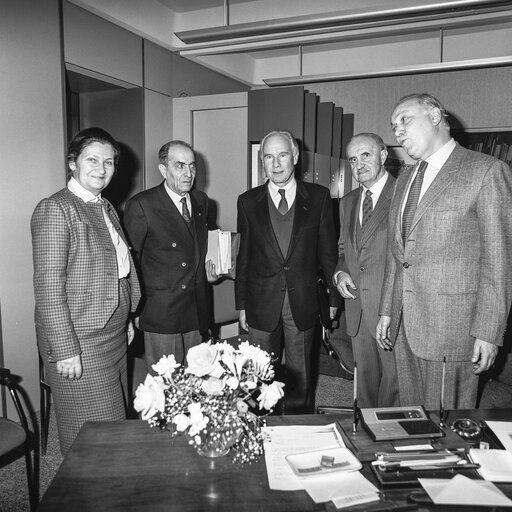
column 412, row 200
column 184, row 210
column 367, row 208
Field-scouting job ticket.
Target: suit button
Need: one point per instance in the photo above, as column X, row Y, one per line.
column 48, row 352
column 362, row 269
column 283, row 289
column 183, row 264
column 406, row 265
column 183, row 286
column 286, row 268
column 173, row 244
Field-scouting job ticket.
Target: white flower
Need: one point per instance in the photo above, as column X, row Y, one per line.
column 204, row 360
column 261, row 360
column 270, row 394
column 182, row 422
column 242, row 406
column 166, row 366
column 197, row 420
column 150, row 397
column 232, row 382
column 212, row 385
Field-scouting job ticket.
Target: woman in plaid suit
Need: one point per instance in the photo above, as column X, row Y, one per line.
column 85, row 289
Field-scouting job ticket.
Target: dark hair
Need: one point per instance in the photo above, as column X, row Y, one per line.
column 87, row 137
column 377, row 139
column 163, row 154
column 284, row 133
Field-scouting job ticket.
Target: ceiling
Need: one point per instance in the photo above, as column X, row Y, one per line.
column 277, row 42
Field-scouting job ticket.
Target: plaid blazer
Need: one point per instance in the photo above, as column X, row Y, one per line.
column 452, row 281
column 75, row 272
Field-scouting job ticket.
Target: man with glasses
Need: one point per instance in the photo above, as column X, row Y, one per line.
column 448, row 286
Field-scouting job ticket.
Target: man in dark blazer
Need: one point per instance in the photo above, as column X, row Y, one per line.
column 448, row 286
column 168, row 228
column 360, row 269
column 287, row 236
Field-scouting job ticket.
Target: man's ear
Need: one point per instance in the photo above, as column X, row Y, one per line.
column 436, row 116
column 295, row 158
column 162, row 169
column 383, row 155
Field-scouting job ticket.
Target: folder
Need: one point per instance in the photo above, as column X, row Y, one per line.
column 222, row 251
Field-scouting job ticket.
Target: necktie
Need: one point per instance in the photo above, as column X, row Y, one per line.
column 367, row 208
column 412, row 200
column 283, row 203
column 184, row 210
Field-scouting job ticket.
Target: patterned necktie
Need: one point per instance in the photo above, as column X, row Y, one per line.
column 367, row 208
column 412, row 200
column 184, row 210
column 283, row 204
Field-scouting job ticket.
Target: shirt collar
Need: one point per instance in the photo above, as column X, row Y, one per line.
column 85, row 195
column 289, row 188
column 438, row 159
column 378, row 186
column 173, row 195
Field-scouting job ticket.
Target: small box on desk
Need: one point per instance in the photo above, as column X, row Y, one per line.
column 365, row 448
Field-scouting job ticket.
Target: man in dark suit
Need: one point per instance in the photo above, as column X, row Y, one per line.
column 287, row 236
column 168, row 228
column 360, row 270
column 448, row 286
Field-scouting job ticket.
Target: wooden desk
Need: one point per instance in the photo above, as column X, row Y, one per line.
column 128, row 466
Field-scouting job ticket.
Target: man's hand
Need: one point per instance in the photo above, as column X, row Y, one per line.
column 211, row 274
column 382, row 333
column 70, row 368
column 243, row 320
column 343, row 283
column 332, row 312
column 484, row 354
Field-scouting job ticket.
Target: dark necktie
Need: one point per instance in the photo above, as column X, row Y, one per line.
column 412, row 200
column 184, row 210
column 367, row 208
column 283, row 204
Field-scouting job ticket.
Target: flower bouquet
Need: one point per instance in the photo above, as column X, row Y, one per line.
column 210, row 399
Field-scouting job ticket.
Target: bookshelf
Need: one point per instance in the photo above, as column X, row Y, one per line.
column 497, row 143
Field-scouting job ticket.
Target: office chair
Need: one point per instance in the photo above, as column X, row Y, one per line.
column 17, row 438
column 45, row 405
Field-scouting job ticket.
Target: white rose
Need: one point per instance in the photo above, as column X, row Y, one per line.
column 150, row 397
column 262, row 362
column 270, row 395
column 197, row 420
column 203, row 360
column 182, row 422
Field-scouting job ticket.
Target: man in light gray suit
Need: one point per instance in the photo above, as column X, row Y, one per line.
column 360, row 270
column 448, row 282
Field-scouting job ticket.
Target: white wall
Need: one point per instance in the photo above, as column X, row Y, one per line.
column 32, row 149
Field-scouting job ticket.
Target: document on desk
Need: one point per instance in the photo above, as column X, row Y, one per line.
column 288, row 440
column 503, row 431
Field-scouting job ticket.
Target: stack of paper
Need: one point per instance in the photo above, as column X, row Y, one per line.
column 495, row 465
column 219, row 250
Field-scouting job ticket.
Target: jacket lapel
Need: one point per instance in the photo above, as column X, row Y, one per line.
column 353, row 208
column 441, row 181
column 301, row 213
column 380, row 211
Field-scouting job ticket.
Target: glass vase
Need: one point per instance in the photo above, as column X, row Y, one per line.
column 215, row 443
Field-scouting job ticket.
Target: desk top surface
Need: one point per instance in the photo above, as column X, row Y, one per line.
column 126, row 465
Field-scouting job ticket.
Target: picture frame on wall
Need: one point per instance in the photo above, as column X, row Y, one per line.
column 257, row 172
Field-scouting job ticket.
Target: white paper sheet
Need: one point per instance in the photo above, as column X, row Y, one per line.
column 345, row 487
column 287, row 440
column 461, row 490
column 503, row 431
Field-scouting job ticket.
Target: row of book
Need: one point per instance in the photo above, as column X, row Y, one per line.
column 497, row 144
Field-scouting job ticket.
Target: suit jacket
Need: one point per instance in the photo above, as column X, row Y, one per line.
column 76, row 281
column 452, row 281
column 264, row 274
column 171, row 259
column 365, row 261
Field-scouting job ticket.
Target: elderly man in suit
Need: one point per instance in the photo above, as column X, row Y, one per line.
column 448, row 286
column 168, row 228
column 287, row 236
column 360, row 270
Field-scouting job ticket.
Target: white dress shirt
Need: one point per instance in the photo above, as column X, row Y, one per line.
column 123, row 262
column 290, row 191
column 376, row 190
column 176, row 199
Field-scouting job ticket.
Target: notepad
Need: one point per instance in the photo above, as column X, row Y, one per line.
column 495, row 465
